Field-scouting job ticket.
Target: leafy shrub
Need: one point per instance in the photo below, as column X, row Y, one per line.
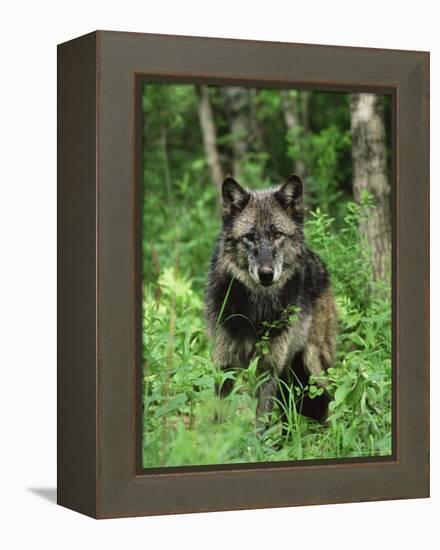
column 179, row 377
column 321, row 152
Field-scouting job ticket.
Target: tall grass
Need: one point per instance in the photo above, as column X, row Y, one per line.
column 179, row 399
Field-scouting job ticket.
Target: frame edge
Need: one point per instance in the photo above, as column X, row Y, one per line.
column 76, row 265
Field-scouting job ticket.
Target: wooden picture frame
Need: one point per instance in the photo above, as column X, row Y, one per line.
column 99, row 311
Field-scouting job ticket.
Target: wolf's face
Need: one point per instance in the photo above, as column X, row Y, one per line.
column 262, row 232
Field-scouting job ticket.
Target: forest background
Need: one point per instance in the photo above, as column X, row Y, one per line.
column 340, row 145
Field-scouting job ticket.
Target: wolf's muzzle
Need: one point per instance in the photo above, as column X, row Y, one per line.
column 265, row 274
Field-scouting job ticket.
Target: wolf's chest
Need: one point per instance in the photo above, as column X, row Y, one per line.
column 252, row 318
column 255, row 335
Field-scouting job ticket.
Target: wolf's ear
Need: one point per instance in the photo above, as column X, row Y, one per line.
column 290, row 196
column 234, row 196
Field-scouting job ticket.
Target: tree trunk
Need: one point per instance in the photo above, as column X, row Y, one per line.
column 291, row 119
column 166, row 163
column 290, row 109
column 238, row 105
column 209, row 134
column 305, row 118
column 256, row 134
column 370, row 174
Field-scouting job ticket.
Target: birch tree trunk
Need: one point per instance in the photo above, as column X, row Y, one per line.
column 290, row 109
column 292, row 120
column 209, row 134
column 370, row 174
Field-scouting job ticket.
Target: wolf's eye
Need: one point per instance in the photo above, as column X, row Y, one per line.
column 275, row 233
column 249, row 237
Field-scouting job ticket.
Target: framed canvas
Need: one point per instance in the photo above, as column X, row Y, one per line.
column 243, row 274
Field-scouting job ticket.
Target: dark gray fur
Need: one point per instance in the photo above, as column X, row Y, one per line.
column 261, row 250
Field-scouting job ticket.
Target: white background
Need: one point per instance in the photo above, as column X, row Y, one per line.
column 29, row 34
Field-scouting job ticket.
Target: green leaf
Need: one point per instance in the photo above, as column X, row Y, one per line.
column 341, row 393
column 364, row 403
column 175, row 403
column 252, row 369
column 354, row 396
column 349, row 436
column 205, row 381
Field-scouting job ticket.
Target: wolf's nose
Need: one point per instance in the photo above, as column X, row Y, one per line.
column 265, row 274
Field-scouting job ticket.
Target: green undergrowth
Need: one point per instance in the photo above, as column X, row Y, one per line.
column 179, row 400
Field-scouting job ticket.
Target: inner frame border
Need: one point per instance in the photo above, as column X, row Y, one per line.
column 141, row 79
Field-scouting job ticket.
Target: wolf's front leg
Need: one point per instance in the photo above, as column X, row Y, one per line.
column 229, row 354
column 266, row 395
column 223, row 388
column 267, row 390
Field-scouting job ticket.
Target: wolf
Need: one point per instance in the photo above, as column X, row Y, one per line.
column 260, row 272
